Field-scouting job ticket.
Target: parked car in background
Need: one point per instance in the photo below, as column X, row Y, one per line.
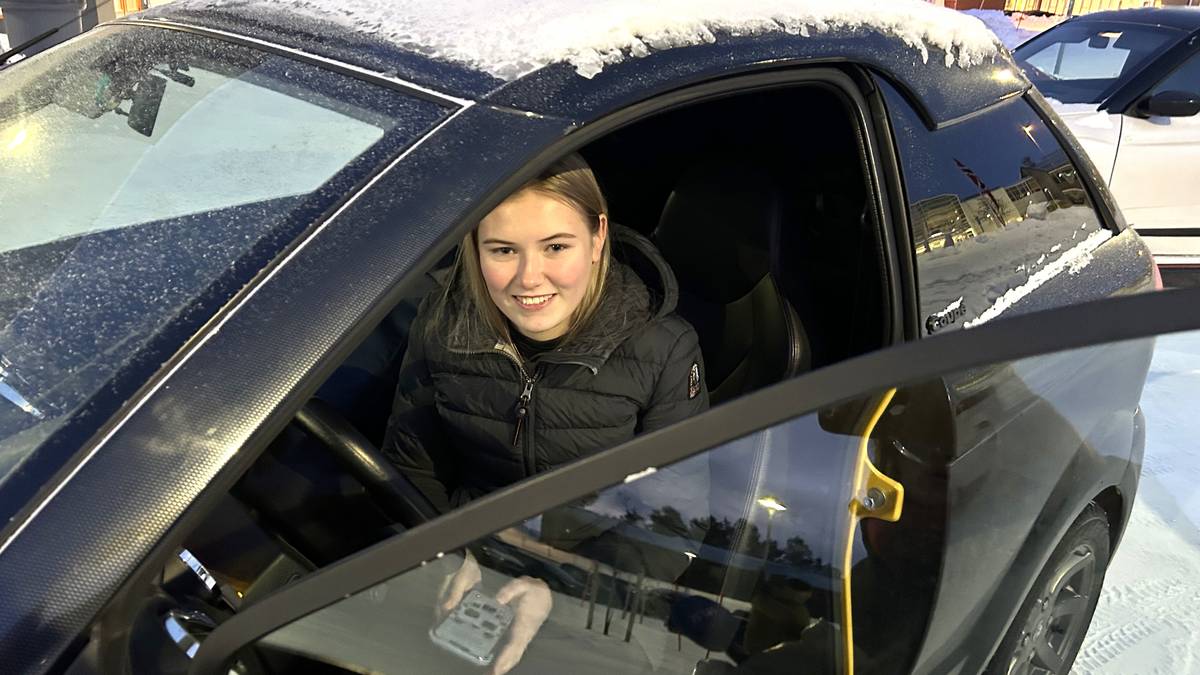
column 220, row 216
column 1127, row 83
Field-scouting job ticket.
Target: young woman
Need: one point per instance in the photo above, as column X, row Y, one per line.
column 553, row 338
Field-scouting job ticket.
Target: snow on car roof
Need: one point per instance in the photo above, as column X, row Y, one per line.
column 511, row 38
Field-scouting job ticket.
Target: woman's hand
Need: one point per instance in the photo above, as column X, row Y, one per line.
column 456, row 586
column 530, row 601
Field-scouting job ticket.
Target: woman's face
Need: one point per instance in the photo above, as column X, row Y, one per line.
column 536, row 254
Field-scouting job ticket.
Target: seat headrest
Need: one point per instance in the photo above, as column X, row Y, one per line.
column 717, row 228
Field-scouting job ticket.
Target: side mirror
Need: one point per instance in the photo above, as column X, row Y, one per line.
column 1169, row 104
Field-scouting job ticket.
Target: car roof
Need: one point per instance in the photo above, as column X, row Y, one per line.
column 474, row 50
column 1183, row 18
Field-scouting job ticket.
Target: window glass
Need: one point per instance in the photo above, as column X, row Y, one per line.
column 1082, row 62
column 729, row 559
column 997, row 211
column 147, row 174
column 998, row 464
column 1185, row 78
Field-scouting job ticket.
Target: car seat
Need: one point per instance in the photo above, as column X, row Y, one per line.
column 717, row 231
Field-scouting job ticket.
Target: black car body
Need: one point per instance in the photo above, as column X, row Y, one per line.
column 874, row 197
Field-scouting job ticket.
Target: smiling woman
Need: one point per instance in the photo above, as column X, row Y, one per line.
column 543, row 254
column 542, row 347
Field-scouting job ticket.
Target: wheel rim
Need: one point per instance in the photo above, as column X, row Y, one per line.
column 1055, row 624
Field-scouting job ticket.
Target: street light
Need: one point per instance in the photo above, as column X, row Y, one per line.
column 773, row 506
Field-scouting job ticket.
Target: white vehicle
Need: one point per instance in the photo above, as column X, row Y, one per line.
column 1127, row 83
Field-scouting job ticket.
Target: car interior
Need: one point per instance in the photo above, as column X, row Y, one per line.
column 761, row 204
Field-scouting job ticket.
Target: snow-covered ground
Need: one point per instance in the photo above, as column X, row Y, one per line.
column 1148, row 619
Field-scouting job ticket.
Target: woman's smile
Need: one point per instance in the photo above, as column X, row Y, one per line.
column 533, row 303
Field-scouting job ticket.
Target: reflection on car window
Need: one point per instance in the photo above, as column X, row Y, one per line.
column 992, row 221
column 1185, row 78
column 1082, row 62
column 729, row 561
column 1016, row 480
column 189, row 163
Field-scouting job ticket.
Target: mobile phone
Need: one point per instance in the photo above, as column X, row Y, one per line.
column 473, row 628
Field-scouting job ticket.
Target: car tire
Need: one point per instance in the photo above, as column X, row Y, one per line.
column 1049, row 628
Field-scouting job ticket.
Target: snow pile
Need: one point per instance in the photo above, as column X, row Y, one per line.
column 511, row 38
column 1067, row 108
column 1148, row 618
column 1035, row 23
column 1002, row 25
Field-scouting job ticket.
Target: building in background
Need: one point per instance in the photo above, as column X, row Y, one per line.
column 1060, row 7
column 119, row 8
column 25, row 20
column 1077, row 7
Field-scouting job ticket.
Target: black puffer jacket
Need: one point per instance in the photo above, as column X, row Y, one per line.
column 636, row 367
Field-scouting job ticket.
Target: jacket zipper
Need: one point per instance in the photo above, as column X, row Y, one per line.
column 524, row 412
column 523, row 408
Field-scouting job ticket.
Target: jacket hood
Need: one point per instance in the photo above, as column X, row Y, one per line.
column 634, row 253
column 640, row 288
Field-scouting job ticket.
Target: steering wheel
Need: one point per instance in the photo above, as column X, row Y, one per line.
column 393, row 492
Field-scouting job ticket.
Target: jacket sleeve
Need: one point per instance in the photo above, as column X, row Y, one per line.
column 415, row 441
column 680, row 391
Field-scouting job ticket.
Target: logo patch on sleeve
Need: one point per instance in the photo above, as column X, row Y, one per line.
column 694, row 381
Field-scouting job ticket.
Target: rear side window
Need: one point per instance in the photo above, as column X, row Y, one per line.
column 997, row 211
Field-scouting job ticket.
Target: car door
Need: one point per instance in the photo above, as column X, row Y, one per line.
column 785, row 556
column 1157, row 167
column 704, row 544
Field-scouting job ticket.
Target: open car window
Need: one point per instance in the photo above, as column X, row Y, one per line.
column 808, row 523
column 659, row 572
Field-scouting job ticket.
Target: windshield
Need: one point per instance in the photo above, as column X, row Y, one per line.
column 145, row 176
column 1085, row 61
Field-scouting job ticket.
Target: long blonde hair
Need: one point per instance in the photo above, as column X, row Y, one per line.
column 569, row 180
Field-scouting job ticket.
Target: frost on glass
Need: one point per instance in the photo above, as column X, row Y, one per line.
column 511, row 38
column 133, row 188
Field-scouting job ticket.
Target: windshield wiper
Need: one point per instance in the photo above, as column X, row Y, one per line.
column 7, row 375
column 26, row 45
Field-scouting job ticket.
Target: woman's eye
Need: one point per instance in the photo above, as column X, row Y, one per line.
column 558, row 248
column 502, row 250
